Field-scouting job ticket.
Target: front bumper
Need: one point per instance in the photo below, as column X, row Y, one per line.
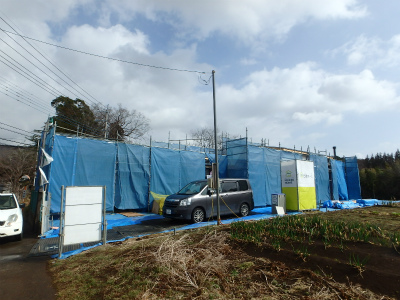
column 15, row 229
column 177, row 212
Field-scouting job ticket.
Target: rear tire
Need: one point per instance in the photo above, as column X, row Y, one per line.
column 244, row 210
column 198, row 215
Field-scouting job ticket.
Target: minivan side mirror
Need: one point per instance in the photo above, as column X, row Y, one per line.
column 209, row 192
column 21, row 205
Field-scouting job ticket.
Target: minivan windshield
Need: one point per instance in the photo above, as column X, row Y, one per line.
column 7, row 202
column 193, row 188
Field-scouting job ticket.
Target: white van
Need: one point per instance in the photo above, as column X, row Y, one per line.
column 11, row 220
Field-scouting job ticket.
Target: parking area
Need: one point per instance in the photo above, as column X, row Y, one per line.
column 121, row 227
column 23, row 276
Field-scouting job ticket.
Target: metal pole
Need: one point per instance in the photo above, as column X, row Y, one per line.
column 61, row 226
column 216, row 149
column 149, row 182
column 104, row 215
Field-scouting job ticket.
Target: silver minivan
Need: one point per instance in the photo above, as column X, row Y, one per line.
column 194, row 202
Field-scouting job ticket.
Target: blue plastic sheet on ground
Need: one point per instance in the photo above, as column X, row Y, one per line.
column 351, row 203
column 341, row 204
column 369, row 202
column 256, row 214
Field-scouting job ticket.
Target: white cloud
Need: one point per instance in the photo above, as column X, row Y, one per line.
column 105, row 41
column 303, row 96
column 317, row 117
column 248, row 20
column 372, row 52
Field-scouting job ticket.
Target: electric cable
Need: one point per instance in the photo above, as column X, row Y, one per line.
column 38, row 67
column 67, row 76
column 55, row 94
column 16, row 128
column 4, row 139
column 23, row 102
column 10, row 85
column 33, row 75
column 10, row 90
column 105, row 57
column 13, row 131
column 46, row 110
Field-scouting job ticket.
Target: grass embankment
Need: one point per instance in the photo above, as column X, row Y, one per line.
column 215, row 262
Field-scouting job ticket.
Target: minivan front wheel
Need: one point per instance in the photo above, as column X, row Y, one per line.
column 244, row 210
column 198, row 215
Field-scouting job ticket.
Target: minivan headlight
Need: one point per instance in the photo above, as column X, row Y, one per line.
column 11, row 219
column 185, row 202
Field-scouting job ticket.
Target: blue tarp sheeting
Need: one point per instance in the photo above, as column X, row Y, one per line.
column 352, row 178
column 124, row 169
column 334, row 185
column 237, row 158
column 370, row 202
column 222, row 164
column 171, row 170
column 76, row 163
column 264, row 174
column 321, row 177
column 133, row 172
column 338, row 171
column 352, row 204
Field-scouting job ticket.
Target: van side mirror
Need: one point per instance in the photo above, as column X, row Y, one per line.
column 21, row 205
column 209, row 192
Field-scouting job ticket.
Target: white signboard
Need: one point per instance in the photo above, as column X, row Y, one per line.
column 83, row 214
column 305, row 173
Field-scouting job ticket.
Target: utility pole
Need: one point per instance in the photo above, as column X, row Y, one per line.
column 106, row 125
column 216, row 150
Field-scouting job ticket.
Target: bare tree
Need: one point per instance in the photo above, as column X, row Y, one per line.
column 120, row 123
column 204, row 137
column 15, row 164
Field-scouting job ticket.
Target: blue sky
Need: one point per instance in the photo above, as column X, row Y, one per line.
column 305, row 73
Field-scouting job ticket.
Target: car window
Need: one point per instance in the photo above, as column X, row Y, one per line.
column 229, row 186
column 243, row 186
column 193, row 188
column 7, row 202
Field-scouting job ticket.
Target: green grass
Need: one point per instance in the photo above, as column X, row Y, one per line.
column 309, row 228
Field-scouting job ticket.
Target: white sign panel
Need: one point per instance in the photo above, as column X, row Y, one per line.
column 85, row 233
column 76, row 195
column 305, row 173
column 83, row 214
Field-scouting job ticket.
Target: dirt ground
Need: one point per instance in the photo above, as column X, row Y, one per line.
column 23, row 277
column 381, row 273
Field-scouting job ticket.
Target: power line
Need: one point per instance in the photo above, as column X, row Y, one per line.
column 4, row 139
column 24, row 102
column 105, row 57
column 54, row 65
column 45, row 88
column 13, row 131
column 23, row 99
column 16, row 127
column 10, row 85
column 34, row 76
column 38, row 67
